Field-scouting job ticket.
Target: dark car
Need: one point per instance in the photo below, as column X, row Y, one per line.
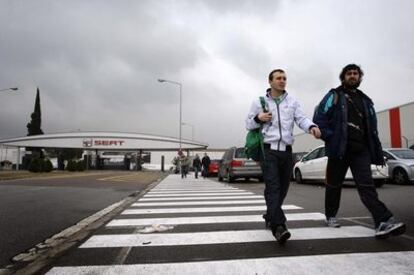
column 234, row 164
column 213, row 167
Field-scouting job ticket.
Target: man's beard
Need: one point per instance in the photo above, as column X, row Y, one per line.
column 351, row 84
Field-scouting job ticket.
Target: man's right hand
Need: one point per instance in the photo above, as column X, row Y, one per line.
column 265, row 117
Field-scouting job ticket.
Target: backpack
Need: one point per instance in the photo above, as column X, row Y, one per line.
column 254, row 140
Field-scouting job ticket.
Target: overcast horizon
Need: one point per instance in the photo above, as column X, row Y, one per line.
column 96, row 63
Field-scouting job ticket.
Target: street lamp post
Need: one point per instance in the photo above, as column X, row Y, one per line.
column 12, row 89
column 180, row 85
column 192, row 129
column 9, row 89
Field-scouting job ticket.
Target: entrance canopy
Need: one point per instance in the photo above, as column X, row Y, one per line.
column 104, row 141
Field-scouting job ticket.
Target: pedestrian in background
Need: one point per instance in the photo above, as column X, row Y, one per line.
column 196, row 165
column 184, row 164
column 348, row 123
column 206, row 163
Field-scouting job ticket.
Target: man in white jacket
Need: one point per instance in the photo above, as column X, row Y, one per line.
column 277, row 121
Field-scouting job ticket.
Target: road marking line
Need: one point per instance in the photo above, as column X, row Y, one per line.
column 210, row 219
column 370, row 226
column 198, row 194
column 223, row 237
column 144, row 204
column 202, row 209
column 196, row 189
column 202, row 198
column 350, row 218
column 180, row 186
column 210, row 190
column 352, row 263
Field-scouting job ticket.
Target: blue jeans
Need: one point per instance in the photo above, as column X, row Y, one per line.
column 277, row 169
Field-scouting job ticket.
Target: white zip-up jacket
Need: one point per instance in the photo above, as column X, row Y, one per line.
column 279, row 132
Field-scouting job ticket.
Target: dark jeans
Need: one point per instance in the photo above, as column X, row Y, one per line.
column 277, row 169
column 360, row 164
column 204, row 172
column 196, row 169
column 184, row 171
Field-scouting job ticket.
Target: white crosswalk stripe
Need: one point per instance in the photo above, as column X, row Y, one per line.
column 181, row 195
column 355, row 263
column 207, row 216
column 223, row 237
column 184, row 203
column 223, row 191
column 211, row 219
column 203, row 209
column 226, row 197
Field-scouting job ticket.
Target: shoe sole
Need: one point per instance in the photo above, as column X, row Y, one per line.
column 398, row 231
column 284, row 237
column 333, row 226
column 394, row 232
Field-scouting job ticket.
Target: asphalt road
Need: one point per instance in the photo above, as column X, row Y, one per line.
column 32, row 210
column 224, row 233
column 398, row 198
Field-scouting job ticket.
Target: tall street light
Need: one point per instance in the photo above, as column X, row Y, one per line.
column 192, row 129
column 180, row 85
column 9, row 89
column 18, row 148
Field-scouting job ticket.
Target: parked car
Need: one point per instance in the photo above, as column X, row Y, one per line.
column 312, row 167
column 297, row 156
column 234, row 165
column 400, row 164
column 213, row 167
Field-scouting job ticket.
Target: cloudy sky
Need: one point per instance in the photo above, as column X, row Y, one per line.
column 96, row 63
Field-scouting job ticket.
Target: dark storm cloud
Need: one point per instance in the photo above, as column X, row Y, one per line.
column 97, row 62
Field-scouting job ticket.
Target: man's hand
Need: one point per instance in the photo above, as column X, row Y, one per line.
column 315, row 132
column 265, row 117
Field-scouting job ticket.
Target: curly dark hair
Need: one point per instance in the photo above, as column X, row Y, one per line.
column 351, row 67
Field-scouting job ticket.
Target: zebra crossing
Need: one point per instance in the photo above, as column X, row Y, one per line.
column 200, row 226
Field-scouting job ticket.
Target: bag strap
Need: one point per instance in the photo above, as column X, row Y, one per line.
column 263, row 103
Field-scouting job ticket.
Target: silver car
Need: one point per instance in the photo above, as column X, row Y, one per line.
column 234, row 165
column 400, row 164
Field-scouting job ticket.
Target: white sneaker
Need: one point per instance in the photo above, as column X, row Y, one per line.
column 333, row 222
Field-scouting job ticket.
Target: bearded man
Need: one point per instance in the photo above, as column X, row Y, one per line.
column 348, row 124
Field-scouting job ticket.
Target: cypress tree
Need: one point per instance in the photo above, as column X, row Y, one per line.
column 34, row 126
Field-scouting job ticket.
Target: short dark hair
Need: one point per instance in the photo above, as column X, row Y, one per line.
column 351, row 67
column 275, row 71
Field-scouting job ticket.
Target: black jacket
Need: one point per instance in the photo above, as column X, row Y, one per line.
column 197, row 163
column 206, row 161
column 331, row 115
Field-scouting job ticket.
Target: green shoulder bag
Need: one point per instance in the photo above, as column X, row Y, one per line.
column 254, row 140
